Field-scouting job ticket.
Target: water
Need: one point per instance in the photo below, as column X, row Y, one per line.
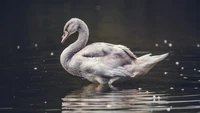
column 35, row 82
column 162, row 90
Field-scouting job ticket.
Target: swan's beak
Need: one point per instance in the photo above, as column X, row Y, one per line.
column 64, row 37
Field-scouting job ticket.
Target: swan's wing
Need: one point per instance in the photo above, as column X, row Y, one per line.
column 104, row 49
column 96, row 50
column 107, row 60
column 127, row 50
column 118, row 72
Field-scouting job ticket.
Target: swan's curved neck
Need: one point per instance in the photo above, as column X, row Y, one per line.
column 79, row 44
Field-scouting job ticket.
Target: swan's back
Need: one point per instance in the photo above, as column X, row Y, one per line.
column 100, row 50
column 106, row 53
column 99, row 57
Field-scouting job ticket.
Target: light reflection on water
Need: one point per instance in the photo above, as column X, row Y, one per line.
column 33, row 81
column 172, row 86
column 98, row 98
column 43, row 86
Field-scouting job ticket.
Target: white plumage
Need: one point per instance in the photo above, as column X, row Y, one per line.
column 101, row 62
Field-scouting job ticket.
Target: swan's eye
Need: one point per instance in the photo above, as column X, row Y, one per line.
column 66, row 29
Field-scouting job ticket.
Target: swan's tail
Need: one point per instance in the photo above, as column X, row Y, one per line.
column 147, row 62
column 148, row 59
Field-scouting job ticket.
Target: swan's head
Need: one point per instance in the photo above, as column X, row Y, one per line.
column 71, row 27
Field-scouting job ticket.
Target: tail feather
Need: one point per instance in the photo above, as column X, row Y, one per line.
column 145, row 56
column 159, row 58
column 148, row 59
column 146, row 62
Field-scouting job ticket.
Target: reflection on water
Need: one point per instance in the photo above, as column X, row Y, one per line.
column 33, row 81
column 99, row 98
column 171, row 86
column 43, row 86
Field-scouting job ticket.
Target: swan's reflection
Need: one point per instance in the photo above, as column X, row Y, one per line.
column 96, row 98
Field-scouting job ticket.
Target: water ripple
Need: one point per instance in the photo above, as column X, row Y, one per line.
column 100, row 98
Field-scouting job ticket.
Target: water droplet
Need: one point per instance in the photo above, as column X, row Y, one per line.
column 165, row 73
column 182, row 68
column 168, row 109
column 18, row 47
column 139, row 89
column 158, row 97
column 182, row 89
column 35, row 68
column 154, row 97
column 198, row 45
column 171, row 88
column 147, row 92
column 36, row 45
column 198, row 70
column 165, row 41
column 177, row 63
column 181, row 74
column 51, row 53
column 198, row 80
column 195, row 69
column 196, row 88
column 98, row 7
column 108, row 106
column 156, row 45
column 45, row 102
column 185, row 77
column 170, row 44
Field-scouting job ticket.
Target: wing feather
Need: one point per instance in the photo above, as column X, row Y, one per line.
column 104, row 49
column 127, row 51
column 106, row 60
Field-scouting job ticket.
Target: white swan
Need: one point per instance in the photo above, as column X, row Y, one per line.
column 101, row 62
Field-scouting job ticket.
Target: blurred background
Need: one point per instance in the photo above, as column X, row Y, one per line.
column 130, row 22
column 31, row 32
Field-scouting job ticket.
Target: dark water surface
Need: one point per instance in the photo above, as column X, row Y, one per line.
column 33, row 81
column 171, row 86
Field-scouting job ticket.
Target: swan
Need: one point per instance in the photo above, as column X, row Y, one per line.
column 101, row 62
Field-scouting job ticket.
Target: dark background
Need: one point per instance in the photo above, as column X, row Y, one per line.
column 130, row 22
column 138, row 24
